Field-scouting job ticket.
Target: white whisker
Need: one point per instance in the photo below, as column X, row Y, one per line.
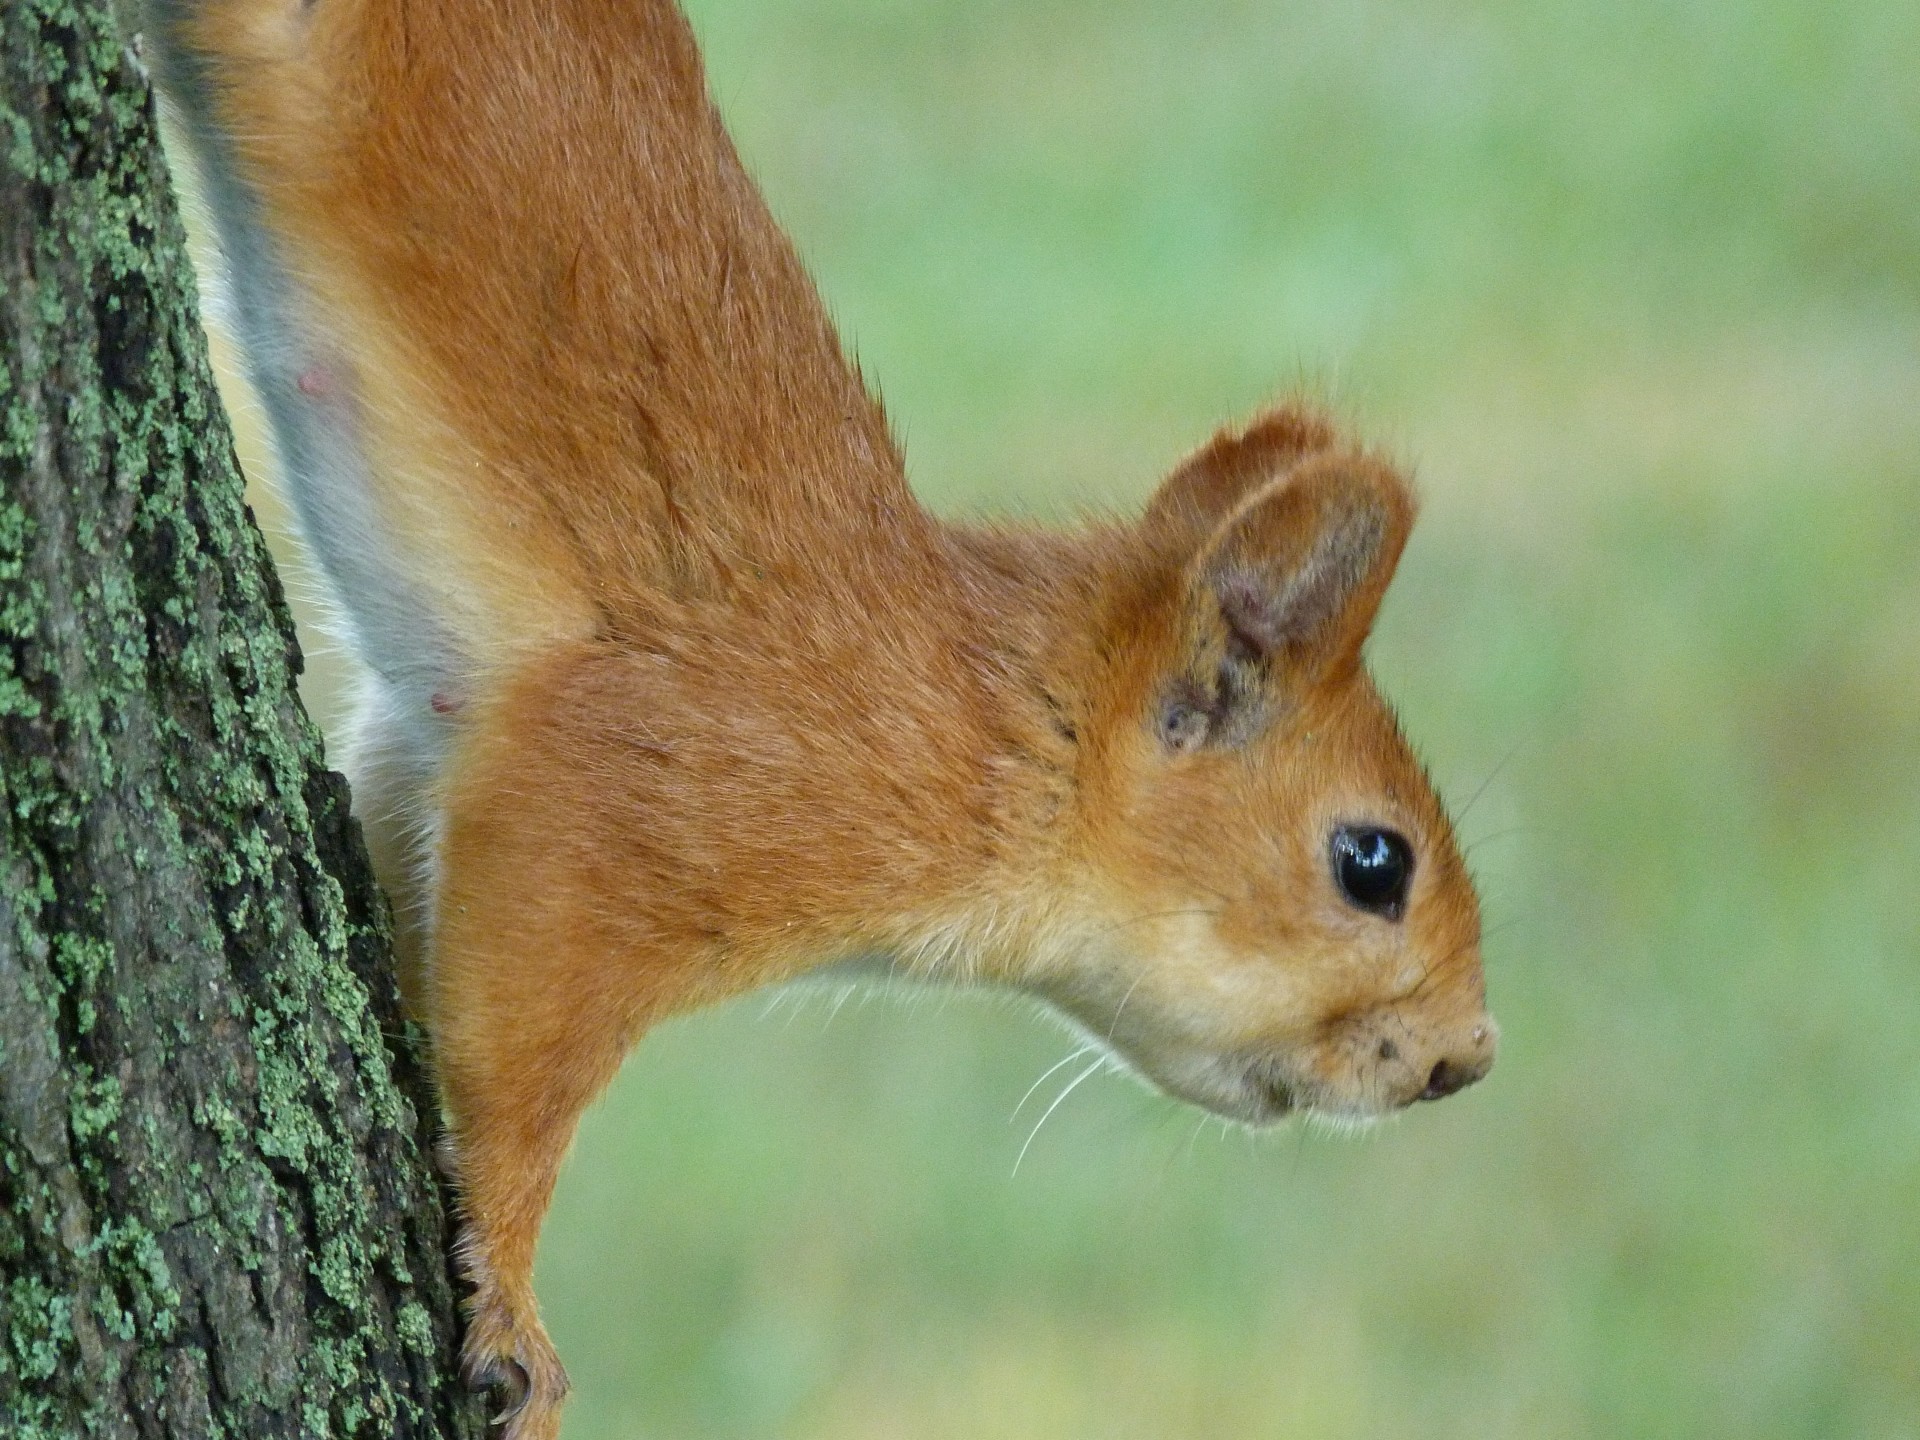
column 1057, row 1065
column 1098, row 1061
column 1114, row 1024
column 1194, row 1139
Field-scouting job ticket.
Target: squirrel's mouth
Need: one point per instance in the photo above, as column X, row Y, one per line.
column 1255, row 1093
column 1277, row 1095
column 1272, row 1096
column 1259, row 1091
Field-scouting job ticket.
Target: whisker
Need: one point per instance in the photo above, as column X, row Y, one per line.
column 1220, row 895
column 1439, row 969
column 1504, row 925
column 1114, row 1023
column 782, row 999
column 1194, row 1139
column 846, row 993
column 1057, row 1065
column 1155, row 915
column 1098, row 1061
column 1466, row 851
column 1484, row 784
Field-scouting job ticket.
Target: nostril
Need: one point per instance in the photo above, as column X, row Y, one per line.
column 1446, row 1077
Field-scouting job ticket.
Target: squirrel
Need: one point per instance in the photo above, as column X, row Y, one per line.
column 674, row 690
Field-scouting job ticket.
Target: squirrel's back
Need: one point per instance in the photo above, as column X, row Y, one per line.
column 544, row 397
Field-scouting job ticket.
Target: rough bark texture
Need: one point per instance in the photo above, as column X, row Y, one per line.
column 216, row 1212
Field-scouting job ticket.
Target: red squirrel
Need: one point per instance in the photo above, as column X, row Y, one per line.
column 674, row 690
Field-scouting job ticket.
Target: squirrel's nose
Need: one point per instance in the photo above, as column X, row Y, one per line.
column 1457, row 1071
column 1449, row 1076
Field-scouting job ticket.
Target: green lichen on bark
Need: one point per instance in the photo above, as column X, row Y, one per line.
column 216, row 1212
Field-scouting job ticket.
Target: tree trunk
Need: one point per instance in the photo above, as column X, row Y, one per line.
column 217, row 1212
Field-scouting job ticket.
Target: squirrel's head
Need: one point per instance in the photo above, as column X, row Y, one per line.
column 1278, row 916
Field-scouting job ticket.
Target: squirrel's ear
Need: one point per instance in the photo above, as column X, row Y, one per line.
column 1284, row 591
column 1212, row 482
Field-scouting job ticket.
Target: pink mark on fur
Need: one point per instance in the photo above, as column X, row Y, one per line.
column 316, row 383
column 444, row 704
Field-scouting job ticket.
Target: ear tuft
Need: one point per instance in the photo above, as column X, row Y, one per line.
column 1214, row 480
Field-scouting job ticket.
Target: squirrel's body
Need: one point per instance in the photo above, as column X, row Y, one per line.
column 674, row 689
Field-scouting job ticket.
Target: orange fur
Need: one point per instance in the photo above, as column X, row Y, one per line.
column 728, row 704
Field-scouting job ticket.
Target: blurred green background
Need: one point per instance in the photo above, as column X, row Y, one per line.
column 1636, row 288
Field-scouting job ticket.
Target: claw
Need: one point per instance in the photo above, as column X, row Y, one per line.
column 507, row 1375
column 506, row 1353
column 521, row 1369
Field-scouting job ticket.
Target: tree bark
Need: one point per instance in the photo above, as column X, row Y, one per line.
column 217, row 1211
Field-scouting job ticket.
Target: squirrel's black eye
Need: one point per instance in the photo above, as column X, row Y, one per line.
column 1373, row 868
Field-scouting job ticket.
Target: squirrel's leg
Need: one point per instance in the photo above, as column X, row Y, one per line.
column 538, row 984
column 505, row 1161
column 516, row 1070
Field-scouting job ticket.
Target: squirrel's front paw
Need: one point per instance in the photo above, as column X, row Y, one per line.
column 517, row 1362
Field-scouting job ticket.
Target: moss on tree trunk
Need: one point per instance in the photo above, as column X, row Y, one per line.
column 217, row 1216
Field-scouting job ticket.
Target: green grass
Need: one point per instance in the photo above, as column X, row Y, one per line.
column 1637, row 289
